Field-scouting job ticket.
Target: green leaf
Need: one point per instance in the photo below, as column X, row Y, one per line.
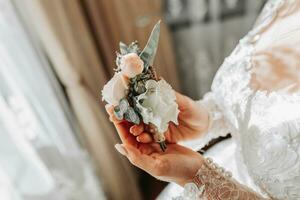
column 120, row 109
column 118, row 113
column 123, row 48
column 134, row 48
column 131, row 116
column 123, row 105
column 148, row 53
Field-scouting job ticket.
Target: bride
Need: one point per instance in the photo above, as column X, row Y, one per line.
column 255, row 96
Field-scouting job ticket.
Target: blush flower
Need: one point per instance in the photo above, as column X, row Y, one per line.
column 131, row 65
column 115, row 89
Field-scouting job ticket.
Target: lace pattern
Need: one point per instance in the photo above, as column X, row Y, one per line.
column 217, row 123
column 214, row 183
column 265, row 126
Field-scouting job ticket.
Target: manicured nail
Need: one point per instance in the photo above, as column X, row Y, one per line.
column 132, row 129
column 138, row 139
column 121, row 149
column 107, row 107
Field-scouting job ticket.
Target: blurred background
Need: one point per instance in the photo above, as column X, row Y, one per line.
column 56, row 142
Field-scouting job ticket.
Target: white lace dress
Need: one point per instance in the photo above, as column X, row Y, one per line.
column 264, row 126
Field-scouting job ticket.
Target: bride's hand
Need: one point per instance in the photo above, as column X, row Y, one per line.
column 177, row 164
column 193, row 120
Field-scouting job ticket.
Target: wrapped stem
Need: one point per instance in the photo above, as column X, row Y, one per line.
column 158, row 137
column 163, row 146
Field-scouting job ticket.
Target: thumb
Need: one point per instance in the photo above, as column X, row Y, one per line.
column 183, row 101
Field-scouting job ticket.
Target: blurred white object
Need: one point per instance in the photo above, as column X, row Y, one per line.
column 158, row 105
column 40, row 157
column 115, row 89
column 264, row 124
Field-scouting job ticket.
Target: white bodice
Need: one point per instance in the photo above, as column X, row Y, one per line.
column 265, row 126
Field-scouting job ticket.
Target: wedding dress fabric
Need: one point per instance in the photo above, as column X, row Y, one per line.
column 265, row 126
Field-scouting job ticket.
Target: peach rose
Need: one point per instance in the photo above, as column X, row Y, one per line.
column 131, row 65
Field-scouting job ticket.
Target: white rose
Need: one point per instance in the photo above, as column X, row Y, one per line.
column 115, row 89
column 131, row 65
column 158, row 105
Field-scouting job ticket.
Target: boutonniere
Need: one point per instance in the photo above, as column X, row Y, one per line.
column 137, row 93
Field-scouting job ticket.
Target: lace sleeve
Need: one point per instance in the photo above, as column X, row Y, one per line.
column 214, row 183
column 217, row 123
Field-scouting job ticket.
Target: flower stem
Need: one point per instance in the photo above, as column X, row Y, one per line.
column 163, row 146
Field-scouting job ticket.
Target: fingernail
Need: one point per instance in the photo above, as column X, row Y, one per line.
column 131, row 130
column 138, row 139
column 121, row 149
column 107, row 106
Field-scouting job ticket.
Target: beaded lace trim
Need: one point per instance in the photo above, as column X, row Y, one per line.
column 214, row 183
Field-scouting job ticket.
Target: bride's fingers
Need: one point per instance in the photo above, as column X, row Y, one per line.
column 148, row 149
column 138, row 159
column 181, row 100
column 122, row 127
column 144, row 138
column 110, row 110
column 123, row 132
column 136, row 129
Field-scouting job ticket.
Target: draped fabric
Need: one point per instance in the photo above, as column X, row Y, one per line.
column 80, row 39
column 129, row 20
column 261, row 114
column 40, row 157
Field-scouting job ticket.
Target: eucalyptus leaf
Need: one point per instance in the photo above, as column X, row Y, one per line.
column 134, row 48
column 131, row 116
column 123, row 48
column 123, row 105
column 118, row 113
column 148, row 53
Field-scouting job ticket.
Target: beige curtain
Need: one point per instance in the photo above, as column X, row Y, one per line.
column 79, row 38
column 129, row 20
